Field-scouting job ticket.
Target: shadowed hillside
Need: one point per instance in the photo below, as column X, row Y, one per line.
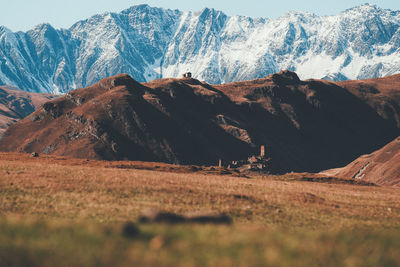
column 305, row 125
column 381, row 167
column 16, row 104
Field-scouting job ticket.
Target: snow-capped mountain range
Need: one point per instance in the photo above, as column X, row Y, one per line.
column 149, row 43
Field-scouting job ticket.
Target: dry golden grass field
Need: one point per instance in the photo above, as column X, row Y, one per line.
column 73, row 212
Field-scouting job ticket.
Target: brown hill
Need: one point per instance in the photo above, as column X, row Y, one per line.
column 382, row 94
column 305, row 125
column 16, row 104
column 381, row 167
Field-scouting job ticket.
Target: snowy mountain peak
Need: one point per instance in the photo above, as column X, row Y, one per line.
column 4, row 30
column 138, row 8
column 298, row 15
column 149, row 43
column 367, row 11
column 43, row 27
column 366, row 7
column 207, row 12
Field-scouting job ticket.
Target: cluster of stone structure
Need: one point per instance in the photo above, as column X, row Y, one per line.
column 254, row 163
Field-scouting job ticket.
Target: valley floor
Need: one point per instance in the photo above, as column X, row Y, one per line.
column 72, row 212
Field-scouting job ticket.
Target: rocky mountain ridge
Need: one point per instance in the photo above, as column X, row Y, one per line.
column 149, row 43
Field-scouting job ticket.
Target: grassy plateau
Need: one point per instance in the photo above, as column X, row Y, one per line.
column 58, row 211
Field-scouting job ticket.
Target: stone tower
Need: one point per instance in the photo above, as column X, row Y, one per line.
column 262, row 152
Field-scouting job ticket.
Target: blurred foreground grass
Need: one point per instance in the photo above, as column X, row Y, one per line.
column 72, row 214
column 47, row 243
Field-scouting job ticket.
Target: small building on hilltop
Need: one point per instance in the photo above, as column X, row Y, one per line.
column 187, row 75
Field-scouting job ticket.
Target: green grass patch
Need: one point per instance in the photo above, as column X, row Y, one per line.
column 68, row 243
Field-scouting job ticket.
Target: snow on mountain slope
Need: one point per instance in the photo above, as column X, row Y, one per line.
column 149, row 43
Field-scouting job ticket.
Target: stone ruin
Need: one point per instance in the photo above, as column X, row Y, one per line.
column 254, row 163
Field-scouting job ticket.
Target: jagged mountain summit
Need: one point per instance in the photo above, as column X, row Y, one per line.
column 148, row 43
column 310, row 125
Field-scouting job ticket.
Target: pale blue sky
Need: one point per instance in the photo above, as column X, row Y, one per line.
column 25, row 14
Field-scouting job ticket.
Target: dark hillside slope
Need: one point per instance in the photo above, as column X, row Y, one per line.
column 305, row 125
column 381, row 167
